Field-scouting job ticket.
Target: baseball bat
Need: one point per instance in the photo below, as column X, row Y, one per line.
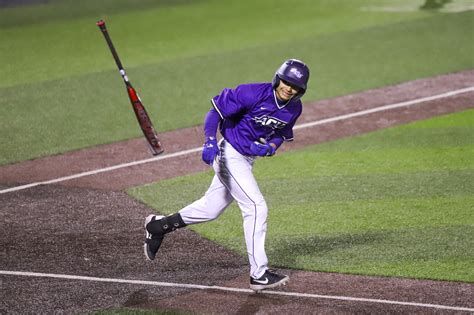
column 140, row 112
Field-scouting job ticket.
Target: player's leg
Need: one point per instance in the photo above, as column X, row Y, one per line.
column 239, row 179
column 208, row 208
column 156, row 226
column 235, row 172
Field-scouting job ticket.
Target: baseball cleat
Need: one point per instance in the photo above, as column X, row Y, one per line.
column 152, row 242
column 268, row 280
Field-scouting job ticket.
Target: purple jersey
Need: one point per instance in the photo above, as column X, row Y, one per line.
column 251, row 112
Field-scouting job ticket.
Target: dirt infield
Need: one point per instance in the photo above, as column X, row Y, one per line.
column 88, row 226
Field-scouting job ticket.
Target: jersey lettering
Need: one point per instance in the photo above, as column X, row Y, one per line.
column 268, row 121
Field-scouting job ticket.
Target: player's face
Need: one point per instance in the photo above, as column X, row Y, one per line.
column 285, row 91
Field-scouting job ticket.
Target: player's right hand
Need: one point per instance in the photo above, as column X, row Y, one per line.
column 210, row 150
column 262, row 149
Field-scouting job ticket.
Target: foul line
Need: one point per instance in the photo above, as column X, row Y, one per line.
column 101, row 170
column 385, row 107
column 230, row 289
column 186, row 152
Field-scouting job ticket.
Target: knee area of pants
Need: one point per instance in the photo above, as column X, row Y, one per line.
column 260, row 212
column 260, row 205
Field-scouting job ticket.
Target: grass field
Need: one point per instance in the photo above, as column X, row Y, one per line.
column 60, row 90
column 397, row 202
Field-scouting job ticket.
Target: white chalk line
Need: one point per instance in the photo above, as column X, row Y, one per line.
column 190, row 151
column 230, row 289
column 101, row 170
column 385, row 107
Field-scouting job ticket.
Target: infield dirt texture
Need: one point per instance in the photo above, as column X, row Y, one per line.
column 89, row 227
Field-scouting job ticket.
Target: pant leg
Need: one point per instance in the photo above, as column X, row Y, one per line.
column 235, row 172
column 210, row 206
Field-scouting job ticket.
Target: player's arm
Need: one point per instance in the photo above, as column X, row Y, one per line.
column 211, row 122
column 275, row 142
column 268, row 148
column 225, row 105
column 210, row 149
column 232, row 103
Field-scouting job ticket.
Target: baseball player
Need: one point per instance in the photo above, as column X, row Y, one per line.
column 254, row 120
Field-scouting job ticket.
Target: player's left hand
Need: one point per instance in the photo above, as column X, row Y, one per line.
column 210, row 150
column 260, row 149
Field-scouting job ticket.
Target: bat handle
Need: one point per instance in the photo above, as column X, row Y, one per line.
column 103, row 28
column 101, row 24
column 125, row 77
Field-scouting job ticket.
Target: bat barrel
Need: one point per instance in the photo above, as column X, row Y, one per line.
column 140, row 111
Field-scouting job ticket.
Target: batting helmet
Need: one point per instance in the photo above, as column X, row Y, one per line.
column 296, row 73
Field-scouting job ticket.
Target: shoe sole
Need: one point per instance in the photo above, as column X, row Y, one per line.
column 260, row 287
column 149, row 256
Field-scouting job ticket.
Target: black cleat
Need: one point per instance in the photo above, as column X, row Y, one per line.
column 152, row 242
column 268, row 280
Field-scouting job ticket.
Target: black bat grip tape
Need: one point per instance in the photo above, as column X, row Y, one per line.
column 101, row 25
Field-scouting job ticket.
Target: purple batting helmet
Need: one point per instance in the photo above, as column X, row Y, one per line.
column 294, row 72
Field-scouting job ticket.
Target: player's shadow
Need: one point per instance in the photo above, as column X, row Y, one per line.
column 255, row 301
column 137, row 298
column 434, row 4
column 290, row 249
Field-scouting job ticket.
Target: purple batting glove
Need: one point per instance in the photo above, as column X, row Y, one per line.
column 260, row 149
column 210, row 150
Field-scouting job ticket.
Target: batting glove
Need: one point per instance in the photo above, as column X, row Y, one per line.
column 260, row 149
column 210, row 150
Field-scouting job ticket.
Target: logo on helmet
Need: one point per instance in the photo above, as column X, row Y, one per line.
column 296, row 72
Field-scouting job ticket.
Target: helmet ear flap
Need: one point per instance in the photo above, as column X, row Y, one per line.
column 276, row 81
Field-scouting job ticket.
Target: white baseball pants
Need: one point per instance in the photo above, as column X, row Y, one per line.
column 234, row 180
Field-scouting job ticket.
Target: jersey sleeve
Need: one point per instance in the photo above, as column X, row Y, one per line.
column 233, row 102
column 211, row 122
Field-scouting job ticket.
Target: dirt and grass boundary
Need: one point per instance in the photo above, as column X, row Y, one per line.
column 88, row 226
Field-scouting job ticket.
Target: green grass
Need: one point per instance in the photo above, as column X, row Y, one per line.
column 396, row 202
column 149, row 32
column 60, row 91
